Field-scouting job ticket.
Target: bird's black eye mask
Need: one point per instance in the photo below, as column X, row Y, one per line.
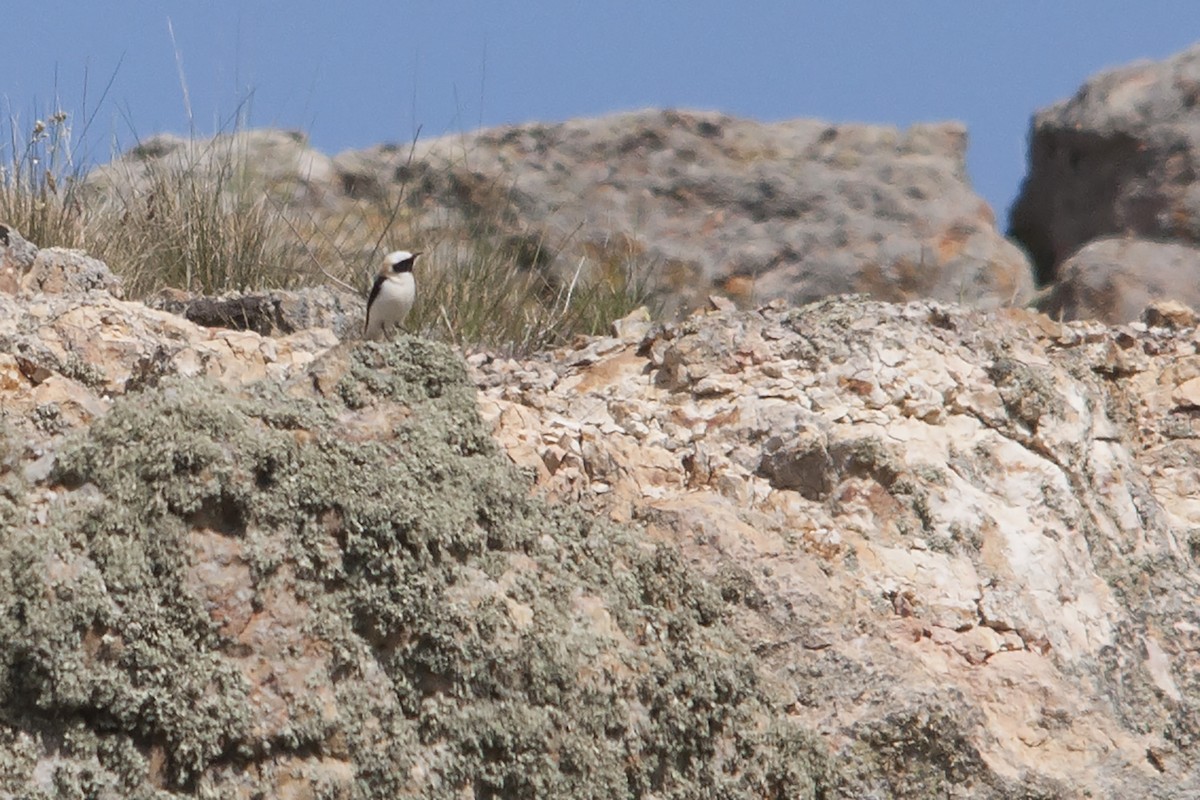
column 404, row 266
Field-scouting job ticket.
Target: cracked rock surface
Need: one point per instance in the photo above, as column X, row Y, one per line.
column 913, row 509
column 243, row 567
column 853, row 549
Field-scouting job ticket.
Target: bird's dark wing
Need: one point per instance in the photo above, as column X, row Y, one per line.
column 379, row 279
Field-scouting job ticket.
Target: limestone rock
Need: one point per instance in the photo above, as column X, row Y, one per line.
column 852, row 549
column 288, row 169
column 1114, row 279
column 58, row 270
column 1170, row 314
column 274, row 313
column 53, row 270
column 693, row 204
column 68, row 356
column 16, row 259
column 217, row 588
column 974, row 507
column 711, row 203
column 1118, row 158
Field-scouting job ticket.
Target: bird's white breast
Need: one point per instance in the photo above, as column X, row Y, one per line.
column 392, row 304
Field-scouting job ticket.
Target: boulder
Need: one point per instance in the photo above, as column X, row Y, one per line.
column 59, row 270
column 16, row 258
column 26, row 269
column 1114, row 280
column 281, row 161
column 686, row 204
column 1120, row 157
column 851, row 549
column 208, row 588
column 275, row 313
column 701, row 202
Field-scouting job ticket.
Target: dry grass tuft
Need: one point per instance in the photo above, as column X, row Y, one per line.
column 489, row 296
column 197, row 222
column 39, row 183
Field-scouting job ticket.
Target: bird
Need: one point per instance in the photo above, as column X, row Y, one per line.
column 392, row 295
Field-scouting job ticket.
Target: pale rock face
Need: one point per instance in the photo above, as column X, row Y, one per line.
column 58, row 270
column 69, row 355
column 282, row 160
column 691, row 203
column 962, row 504
column 1117, row 158
column 909, row 510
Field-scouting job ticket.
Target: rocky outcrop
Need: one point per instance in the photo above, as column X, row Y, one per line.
column 714, row 204
column 337, row 587
column 956, row 548
column 690, row 203
column 1118, row 158
column 16, row 258
column 1114, row 279
column 274, row 313
column 242, row 566
column 280, row 161
column 942, row 524
column 854, row 549
column 960, row 544
column 26, row 269
column 69, row 345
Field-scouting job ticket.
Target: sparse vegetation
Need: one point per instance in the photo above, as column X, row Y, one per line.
column 205, row 216
column 39, row 183
column 488, row 297
column 199, row 221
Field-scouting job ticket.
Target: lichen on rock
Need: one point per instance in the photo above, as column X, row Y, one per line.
column 242, row 592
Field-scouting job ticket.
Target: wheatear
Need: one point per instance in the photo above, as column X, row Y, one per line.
column 392, row 295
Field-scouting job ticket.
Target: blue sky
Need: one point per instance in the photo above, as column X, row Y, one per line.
column 357, row 73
